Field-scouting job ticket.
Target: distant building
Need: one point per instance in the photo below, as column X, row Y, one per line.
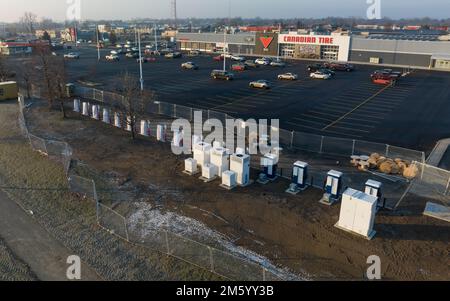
column 104, row 28
column 15, row 48
column 40, row 34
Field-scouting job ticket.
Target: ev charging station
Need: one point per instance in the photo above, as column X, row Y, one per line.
column 270, row 165
column 374, row 188
column 299, row 178
column 333, row 188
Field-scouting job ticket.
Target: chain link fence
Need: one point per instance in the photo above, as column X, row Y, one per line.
column 225, row 264
column 432, row 183
column 288, row 139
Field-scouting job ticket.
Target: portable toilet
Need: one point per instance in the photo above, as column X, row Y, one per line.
column 144, row 128
column 161, row 133
column 333, row 187
column 240, row 164
column 202, row 153
column 76, row 105
column 95, row 112
column 117, row 122
column 229, row 180
column 106, row 116
column 178, row 138
column 85, row 109
column 221, row 159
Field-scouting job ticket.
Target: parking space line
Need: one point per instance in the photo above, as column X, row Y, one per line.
column 357, row 107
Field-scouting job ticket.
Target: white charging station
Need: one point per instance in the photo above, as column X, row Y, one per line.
column 299, row 178
column 333, row 188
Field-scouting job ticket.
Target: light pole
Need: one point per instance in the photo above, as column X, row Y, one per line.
column 156, row 39
column 98, row 44
column 140, row 60
column 224, row 52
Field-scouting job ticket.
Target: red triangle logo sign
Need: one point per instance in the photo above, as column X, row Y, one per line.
column 266, row 41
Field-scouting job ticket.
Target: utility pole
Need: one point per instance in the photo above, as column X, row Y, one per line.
column 140, row 60
column 224, row 47
column 98, row 43
column 156, row 38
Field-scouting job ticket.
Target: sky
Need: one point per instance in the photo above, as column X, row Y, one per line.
column 12, row 10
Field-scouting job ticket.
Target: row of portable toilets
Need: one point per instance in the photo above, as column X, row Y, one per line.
column 358, row 209
column 93, row 111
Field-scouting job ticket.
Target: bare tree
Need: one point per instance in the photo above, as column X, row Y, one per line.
column 134, row 102
column 43, row 64
column 28, row 21
column 4, row 69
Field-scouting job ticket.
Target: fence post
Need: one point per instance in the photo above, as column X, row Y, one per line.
column 97, row 204
column 353, row 148
column 292, row 139
column 211, row 259
column 321, row 144
column 167, row 243
column 387, row 150
column 446, row 188
column 174, row 111
column 264, row 273
column 192, row 114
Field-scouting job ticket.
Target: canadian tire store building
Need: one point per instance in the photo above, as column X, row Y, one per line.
column 334, row 47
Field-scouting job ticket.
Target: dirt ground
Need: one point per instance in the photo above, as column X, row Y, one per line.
column 293, row 231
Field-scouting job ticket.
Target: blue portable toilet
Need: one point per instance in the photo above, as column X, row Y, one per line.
column 270, row 164
column 300, row 174
column 333, row 187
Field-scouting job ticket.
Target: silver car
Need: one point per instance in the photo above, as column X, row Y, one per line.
column 260, row 84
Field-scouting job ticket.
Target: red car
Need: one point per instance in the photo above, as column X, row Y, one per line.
column 238, row 67
column 218, row 58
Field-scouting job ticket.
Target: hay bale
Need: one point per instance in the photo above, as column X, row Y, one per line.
column 386, row 167
column 411, row 172
column 375, row 156
column 401, row 166
column 398, row 160
column 380, row 161
column 372, row 163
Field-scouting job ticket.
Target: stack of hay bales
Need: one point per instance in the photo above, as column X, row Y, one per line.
column 386, row 165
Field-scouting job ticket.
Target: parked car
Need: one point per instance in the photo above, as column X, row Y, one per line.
column 262, row 61
column 315, row 67
column 339, row 67
column 277, row 63
column 132, row 55
column 189, row 65
column 173, row 55
column 113, row 57
column 72, row 55
column 237, row 58
column 238, row 67
column 288, row 76
column 327, row 71
column 114, row 52
column 260, row 84
column 218, row 58
column 251, row 64
column 320, row 75
column 220, row 74
column 147, row 60
column 194, row 53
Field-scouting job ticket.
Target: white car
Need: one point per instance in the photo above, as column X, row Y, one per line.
column 320, row 75
column 189, row 65
column 72, row 55
column 238, row 58
column 288, row 76
column 260, row 84
column 114, row 52
column 262, row 61
column 112, row 57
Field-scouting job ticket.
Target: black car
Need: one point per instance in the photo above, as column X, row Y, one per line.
column 315, row 67
column 220, row 74
column 327, row 71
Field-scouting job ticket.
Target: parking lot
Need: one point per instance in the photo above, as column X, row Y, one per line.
column 413, row 113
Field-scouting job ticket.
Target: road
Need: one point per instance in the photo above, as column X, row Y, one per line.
column 45, row 256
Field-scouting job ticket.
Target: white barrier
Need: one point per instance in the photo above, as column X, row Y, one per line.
column 95, row 109
column 76, row 105
column 85, row 109
column 106, row 116
column 161, row 133
column 117, row 122
column 144, row 128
